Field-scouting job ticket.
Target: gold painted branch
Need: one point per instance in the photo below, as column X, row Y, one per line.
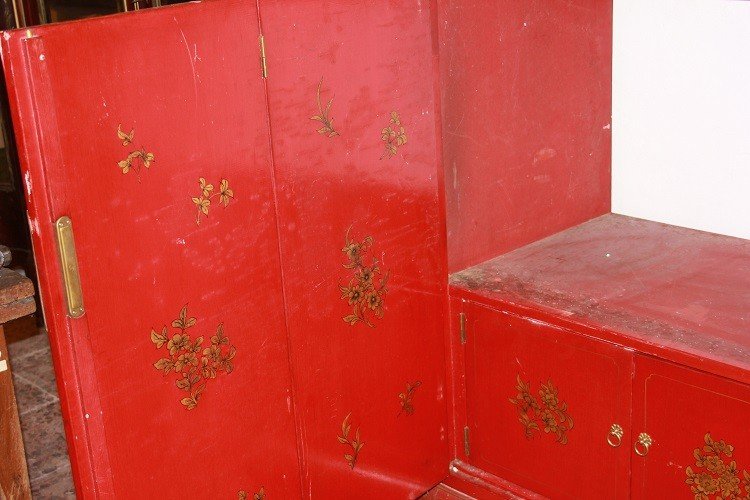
column 406, row 398
column 355, row 444
column 324, row 115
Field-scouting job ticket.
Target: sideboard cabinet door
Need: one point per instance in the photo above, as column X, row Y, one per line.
column 547, row 409
column 149, row 132
column 697, row 426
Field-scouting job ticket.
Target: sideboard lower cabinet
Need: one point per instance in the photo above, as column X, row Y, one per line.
column 547, row 409
column 697, row 427
column 565, row 415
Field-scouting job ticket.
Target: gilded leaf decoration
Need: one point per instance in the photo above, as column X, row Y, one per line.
column 366, row 290
column 394, row 136
column 406, row 398
column 715, row 475
column 136, row 158
column 259, row 495
column 203, row 201
column 355, row 444
column 548, row 413
column 194, row 364
column 324, row 115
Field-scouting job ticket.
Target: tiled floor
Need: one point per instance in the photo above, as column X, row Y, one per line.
column 41, row 422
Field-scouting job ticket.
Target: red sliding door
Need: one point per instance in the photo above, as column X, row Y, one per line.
column 149, row 131
column 354, row 124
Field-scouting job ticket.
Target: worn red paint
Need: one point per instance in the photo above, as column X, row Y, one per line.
column 666, row 290
column 186, row 81
column 341, row 147
column 166, row 75
column 331, row 187
column 526, row 94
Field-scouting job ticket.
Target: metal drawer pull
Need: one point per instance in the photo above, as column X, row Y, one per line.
column 643, row 444
column 614, row 438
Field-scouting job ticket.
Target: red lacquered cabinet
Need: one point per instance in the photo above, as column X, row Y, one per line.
column 257, row 303
column 578, row 377
column 169, row 381
column 565, row 415
column 239, row 216
column 698, row 426
column 541, row 404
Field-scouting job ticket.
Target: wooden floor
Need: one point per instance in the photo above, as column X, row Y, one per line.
column 39, row 410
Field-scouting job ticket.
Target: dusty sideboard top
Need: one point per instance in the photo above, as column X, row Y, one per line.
column 659, row 287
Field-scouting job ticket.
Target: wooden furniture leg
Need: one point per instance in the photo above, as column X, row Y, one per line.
column 14, row 478
column 16, row 300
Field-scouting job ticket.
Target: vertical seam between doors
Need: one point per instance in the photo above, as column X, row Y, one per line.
column 292, row 379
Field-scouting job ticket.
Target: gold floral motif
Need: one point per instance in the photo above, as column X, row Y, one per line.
column 366, row 290
column 194, row 365
column 549, row 411
column 714, row 476
column 393, row 135
column 203, row 202
column 406, row 398
column 260, row 495
column 135, row 158
column 356, row 444
column 323, row 115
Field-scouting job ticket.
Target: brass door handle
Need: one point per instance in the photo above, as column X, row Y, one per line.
column 614, row 438
column 66, row 247
column 642, row 445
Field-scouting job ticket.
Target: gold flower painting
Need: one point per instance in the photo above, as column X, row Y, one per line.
column 366, row 290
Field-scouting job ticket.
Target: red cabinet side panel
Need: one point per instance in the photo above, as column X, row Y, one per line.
column 129, row 124
column 352, row 90
column 526, row 91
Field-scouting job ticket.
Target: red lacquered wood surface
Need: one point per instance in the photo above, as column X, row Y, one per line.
column 690, row 416
column 667, row 291
column 526, row 90
column 186, row 81
column 541, row 402
column 335, row 177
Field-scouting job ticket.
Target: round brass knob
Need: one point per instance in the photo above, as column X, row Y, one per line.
column 614, row 438
column 643, row 444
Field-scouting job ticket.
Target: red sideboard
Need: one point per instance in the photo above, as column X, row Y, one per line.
column 610, row 360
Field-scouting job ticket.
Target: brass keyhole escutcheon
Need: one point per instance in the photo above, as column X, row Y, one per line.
column 614, row 438
column 643, row 444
